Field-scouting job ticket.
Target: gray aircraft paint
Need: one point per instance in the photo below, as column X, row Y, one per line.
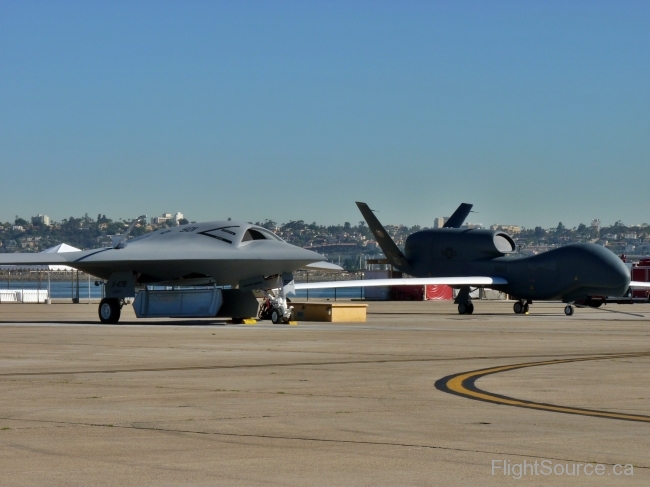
column 188, row 254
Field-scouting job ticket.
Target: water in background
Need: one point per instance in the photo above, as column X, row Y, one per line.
column 63, row 289
column 343, row 293
column 58, row 289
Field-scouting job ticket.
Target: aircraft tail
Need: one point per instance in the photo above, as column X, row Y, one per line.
column 393, row 254
column 458, row 218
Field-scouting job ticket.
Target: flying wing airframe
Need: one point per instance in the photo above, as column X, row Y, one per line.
column 245, row 257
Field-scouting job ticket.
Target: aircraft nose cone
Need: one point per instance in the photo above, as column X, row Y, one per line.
column 314, row 256
column 619, row 276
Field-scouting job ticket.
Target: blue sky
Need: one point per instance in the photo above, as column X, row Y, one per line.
column 536, row 112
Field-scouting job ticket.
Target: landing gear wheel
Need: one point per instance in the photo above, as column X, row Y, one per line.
column 285, row 320
column 568, row 310
column 470, row 308
column 276, row 316
column 462, row 309
column 518, row 307
column 109, row 311
column 526, row 308
column 237, row 321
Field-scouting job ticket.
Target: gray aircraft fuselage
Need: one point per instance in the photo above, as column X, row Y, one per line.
column 569, row 273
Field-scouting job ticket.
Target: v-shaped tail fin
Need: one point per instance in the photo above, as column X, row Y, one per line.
column 391, row 251
column 458, row 218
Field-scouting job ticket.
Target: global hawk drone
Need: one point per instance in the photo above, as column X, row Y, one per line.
column 464, row 258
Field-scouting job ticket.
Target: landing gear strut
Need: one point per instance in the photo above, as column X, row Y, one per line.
column 110, row 310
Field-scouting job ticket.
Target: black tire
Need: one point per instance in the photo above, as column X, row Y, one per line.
column 276, row 316
column 462, row 309
column 470, row 308
column 518, row 307
column 526, row 308
column 568, row 310
column 109, row 311
column 237, row 321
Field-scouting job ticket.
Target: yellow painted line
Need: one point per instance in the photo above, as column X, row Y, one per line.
column 463, row 384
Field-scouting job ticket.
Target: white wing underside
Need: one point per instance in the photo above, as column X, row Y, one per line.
column 323, row 266
column 640, row 284
column 440, row 281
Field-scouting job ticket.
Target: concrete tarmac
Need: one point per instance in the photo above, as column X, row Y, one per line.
column 202, row 402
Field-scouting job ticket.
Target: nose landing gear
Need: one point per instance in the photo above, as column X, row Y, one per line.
column 521, row 307
column 275, row 307
column 568, row 310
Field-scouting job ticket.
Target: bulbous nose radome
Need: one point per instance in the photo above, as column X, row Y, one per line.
column 618, row 276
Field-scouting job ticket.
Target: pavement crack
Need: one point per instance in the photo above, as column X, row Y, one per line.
column 298, row 364
column 324, row 440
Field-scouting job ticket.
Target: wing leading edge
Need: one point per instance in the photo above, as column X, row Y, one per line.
column 640, row 284
column 40, row 258
column 448, row 281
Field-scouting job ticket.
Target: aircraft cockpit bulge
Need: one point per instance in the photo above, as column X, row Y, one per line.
column 259, row 233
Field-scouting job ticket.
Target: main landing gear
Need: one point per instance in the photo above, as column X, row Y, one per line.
column 110, row 310
column 521, row 307
column 466, row 308
column 464, row 302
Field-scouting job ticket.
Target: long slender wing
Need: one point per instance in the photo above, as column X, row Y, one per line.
column 640, row 284
column 449, row 281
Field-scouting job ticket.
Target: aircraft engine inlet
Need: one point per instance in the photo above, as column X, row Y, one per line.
column 458, row 245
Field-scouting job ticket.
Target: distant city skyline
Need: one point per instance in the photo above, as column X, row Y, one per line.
column 535, row 112
column 162, row 217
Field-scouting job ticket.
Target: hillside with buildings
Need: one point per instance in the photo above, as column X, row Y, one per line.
column 347, row 244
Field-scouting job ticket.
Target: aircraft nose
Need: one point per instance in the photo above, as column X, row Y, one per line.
column 618, row 275
column 314, row 256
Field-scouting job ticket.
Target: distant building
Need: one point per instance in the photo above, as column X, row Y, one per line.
column 167, row 218
column 595, row 223
column 41, row 220
column 159, row 220
column 18, row 228
column 511, row 229
column 440, row 221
